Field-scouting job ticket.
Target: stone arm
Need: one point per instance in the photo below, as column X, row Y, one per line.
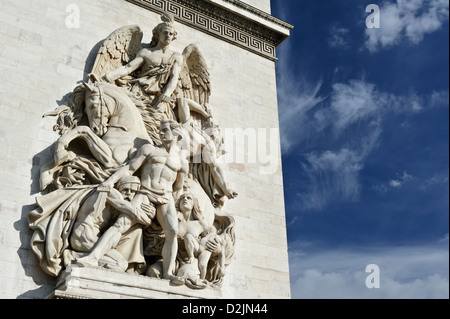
column 172, row 84
column 143, row 214
column 125, row 70
column 129, row 169
column 179, row 182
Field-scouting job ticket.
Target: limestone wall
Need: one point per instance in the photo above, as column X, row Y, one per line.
column 41, row 60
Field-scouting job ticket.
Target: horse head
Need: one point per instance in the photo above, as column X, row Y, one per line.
column 97, row 108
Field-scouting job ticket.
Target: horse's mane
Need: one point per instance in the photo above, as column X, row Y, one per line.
column 71, row 114
column 150, row 116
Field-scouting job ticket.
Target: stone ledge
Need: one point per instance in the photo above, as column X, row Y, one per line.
column 229, row 20
column 98, row 283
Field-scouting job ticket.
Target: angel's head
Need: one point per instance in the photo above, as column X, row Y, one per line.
column 164, row 32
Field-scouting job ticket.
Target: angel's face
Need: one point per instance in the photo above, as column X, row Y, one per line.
column 166, row 35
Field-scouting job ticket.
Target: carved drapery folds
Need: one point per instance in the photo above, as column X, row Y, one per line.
column 135, row 184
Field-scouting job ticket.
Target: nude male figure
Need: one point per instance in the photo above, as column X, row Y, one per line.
column 162, row 176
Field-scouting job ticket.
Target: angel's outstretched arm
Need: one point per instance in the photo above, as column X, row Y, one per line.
column 124, row 70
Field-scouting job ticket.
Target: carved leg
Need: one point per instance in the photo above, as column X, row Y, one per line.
column 203, row 260
column 167, row 217
column 191, row 247
column 108, row 241
column 100, row 150
column 209, row 157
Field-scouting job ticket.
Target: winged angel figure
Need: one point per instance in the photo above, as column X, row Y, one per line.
column 156, row 75
column 161, row 81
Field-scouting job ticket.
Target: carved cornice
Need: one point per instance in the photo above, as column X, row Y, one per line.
column 251, row 28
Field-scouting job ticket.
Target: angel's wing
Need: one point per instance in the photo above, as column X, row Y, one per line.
column 194, row 76
column 119, row 48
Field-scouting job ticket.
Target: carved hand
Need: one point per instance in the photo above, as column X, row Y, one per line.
column 214, row 246
column 149, row 210
column 162, row 98
column 109, row 77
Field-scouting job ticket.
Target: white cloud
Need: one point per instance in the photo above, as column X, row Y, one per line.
column 405, row 273
column 401, row 180
column 407, row 19
column 305, row 113
column 296, row 97
column 358, row 100
column 355, row 101
column 332, row 175
column 397, row 183
column 439, row 98
column 358, row 106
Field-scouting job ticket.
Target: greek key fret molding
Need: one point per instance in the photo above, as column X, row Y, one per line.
column 224, row 24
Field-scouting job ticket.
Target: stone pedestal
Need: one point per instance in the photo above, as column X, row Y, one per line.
column 97, row 283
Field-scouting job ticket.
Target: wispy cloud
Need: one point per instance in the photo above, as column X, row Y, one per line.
column 408, row 272
column 436, row 179
column 296, row 99
column 297, row 96
column 339, row 38
column 331, row 175
column 400, row 180
column 407, row 20
column 439, row 98
column 359, row 100
column 361, row 108
column 334, row 174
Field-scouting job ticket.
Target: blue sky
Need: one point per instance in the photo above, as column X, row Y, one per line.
column 364, row 118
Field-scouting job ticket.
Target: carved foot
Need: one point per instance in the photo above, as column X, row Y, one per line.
column 175, row 280
column 196, row 283
column 87, row 262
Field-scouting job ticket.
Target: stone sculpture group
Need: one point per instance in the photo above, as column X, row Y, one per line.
column 135, row 184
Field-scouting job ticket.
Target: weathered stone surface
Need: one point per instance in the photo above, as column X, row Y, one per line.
column 84, row 283
column 43, row 57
